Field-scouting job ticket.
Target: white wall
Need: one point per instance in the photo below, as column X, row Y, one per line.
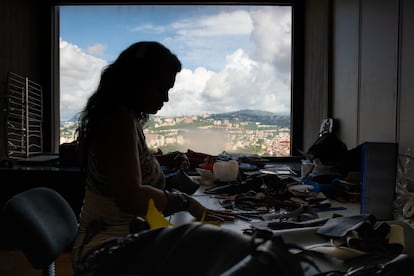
column 373, row 71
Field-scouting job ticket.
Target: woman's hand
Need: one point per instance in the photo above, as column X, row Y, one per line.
column 202, row 213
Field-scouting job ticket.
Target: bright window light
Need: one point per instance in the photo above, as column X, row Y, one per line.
column 234, row 92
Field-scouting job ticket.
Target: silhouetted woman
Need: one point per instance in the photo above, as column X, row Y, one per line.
column 122, row 173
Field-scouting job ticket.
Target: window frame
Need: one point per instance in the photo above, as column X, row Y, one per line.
column 297, row 73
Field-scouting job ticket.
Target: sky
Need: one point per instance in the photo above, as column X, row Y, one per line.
column 233, row 57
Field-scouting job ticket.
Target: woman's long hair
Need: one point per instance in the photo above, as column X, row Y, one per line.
column 120, row 84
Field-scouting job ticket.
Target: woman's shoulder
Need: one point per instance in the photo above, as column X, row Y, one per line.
column 118, row 120
column 120, row 116
column 122, row 112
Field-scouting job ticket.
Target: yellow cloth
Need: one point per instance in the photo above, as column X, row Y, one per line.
column 154, row 217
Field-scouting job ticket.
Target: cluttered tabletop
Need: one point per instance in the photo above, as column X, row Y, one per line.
column 315, row 207
column 275, row 193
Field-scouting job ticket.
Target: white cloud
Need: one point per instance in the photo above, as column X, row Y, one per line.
column 273, row 41
column 225, row 23
column 79, row 76
column 97, row 49
column 242, row 84
column 149, row 28
column 213, row 35
column 257, row 77
column 187, row 94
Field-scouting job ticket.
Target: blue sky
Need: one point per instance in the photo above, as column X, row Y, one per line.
column 234, row 57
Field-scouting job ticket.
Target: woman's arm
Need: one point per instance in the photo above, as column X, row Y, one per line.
column 119, row 142
column 121, row 145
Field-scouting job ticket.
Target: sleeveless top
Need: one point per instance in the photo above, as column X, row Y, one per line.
column 99, row 208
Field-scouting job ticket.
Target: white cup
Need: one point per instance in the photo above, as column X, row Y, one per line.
column 226, row 171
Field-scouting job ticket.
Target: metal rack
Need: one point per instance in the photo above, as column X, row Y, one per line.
column 24, row 117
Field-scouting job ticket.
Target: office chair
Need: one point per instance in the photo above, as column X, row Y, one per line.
column 41, row 224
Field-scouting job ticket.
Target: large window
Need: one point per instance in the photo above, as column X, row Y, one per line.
column 234, row 92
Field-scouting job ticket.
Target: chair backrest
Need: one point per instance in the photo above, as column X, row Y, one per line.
column 41, row 224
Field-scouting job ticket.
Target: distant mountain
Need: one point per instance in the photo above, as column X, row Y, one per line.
column 250, row 115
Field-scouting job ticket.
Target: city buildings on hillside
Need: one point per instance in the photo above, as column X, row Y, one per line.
column 203, row 134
